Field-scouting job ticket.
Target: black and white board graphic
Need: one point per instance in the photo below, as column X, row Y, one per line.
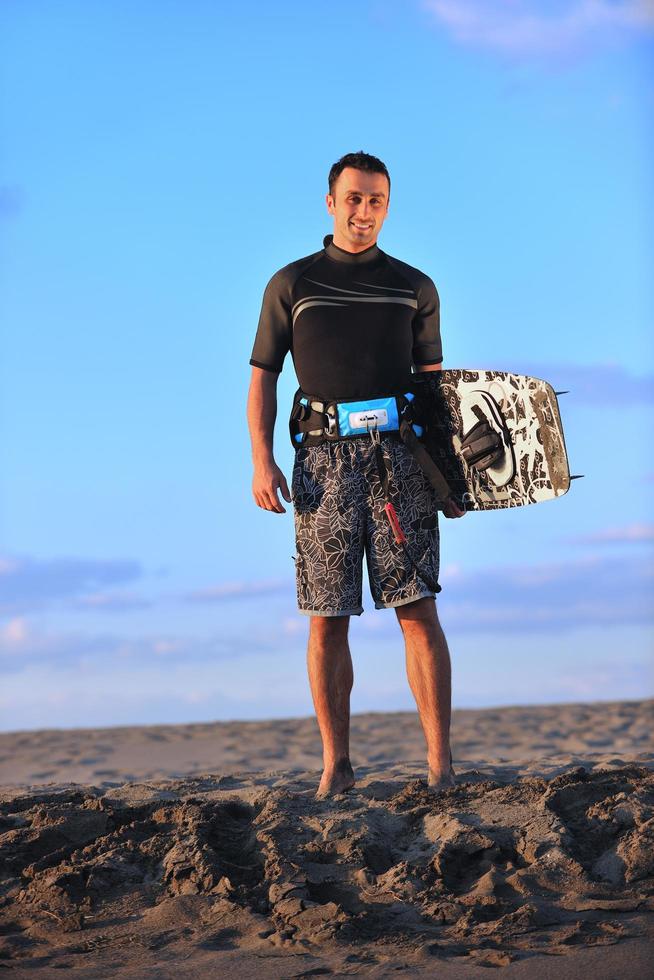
column 512, row 423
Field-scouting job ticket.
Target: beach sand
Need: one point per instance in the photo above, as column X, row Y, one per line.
column 200, row 850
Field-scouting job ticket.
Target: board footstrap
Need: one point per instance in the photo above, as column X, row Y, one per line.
column 481, row 445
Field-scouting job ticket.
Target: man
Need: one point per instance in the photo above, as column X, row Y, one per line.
column 355, row 321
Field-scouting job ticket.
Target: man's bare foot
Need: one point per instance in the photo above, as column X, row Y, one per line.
column 336, row 779
column 439, row 779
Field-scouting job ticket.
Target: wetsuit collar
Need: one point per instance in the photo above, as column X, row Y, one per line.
column 351, row 258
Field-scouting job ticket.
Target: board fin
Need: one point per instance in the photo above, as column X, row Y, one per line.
column 567, row 392
column 578, row 476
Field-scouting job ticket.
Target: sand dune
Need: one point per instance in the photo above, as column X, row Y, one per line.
column 105, row 755
column 541, row 864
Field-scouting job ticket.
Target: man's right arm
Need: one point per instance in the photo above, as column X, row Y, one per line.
column 261, row 414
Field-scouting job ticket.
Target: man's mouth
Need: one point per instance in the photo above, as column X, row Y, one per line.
column 360, row 226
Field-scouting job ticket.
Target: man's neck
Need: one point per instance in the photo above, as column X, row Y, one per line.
column 370, row 254
column 348, row 246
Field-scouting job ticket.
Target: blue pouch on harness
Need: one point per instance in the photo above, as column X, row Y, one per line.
column 350, row 418
column 355, row 418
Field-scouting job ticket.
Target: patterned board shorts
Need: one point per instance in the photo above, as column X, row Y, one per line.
column 339, row 512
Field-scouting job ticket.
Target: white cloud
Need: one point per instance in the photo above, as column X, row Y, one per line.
column 550, row 598
column 294, row 625
column 14, row 632
column 28, row 584
column 529, row 27
column 61, row 695
column 237, row 590
column 21, row 642
column 31, row 584
column 611, row 589
column 111, row 602
column 629, row 534
column 586, row 383
column 451, row 571
column 588, row 591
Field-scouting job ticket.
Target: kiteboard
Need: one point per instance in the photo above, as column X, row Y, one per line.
column 496, row 437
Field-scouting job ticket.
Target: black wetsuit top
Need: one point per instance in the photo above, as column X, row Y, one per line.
column 353, row 321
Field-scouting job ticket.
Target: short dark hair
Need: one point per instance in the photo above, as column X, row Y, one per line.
column 360, row 161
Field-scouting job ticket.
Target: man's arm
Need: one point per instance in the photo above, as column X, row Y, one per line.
column 451, row 508
column 429, row 367
column 261, row 415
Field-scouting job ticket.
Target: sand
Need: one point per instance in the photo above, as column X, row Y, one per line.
column 201, row 850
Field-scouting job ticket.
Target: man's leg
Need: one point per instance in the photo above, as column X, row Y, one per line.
column 430, row 677
column 331, row 677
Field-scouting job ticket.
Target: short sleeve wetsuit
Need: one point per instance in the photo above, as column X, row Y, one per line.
column 353, row 322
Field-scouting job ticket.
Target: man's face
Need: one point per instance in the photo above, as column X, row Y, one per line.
column 359, row 205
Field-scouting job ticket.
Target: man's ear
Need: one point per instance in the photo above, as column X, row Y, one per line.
column 330, row 203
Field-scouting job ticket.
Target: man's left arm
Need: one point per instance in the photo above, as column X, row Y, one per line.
column 427, row 349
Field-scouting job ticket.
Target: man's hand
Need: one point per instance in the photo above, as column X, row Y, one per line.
column 268, row 479
column 452, row 509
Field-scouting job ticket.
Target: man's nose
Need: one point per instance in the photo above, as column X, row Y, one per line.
column 362, row 209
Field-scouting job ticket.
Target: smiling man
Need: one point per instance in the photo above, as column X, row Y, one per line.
column 358, row 324
column 359, row 208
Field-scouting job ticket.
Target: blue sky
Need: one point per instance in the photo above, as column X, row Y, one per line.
column 159, row 162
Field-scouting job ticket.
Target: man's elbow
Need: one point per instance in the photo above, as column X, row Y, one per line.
column 428, row 367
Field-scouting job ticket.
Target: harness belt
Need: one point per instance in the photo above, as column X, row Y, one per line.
column 315, row 420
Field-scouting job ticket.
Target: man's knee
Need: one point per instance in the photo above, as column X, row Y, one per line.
column 420, row 614
column 329, row 627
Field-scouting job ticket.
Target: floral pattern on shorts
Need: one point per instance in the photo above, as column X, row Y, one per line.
column 339, row 516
